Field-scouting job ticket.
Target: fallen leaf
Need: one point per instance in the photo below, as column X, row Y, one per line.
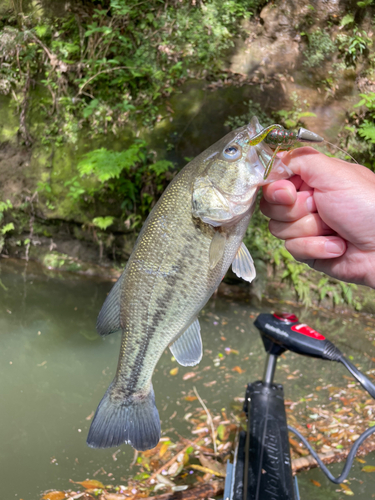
column 188, row 375
column 208, row 463
column 238, row 369
column 163, row 449
column 173, row 469
column 368, row 468
column 190, row 398
column 54, row 495
column 221, row 432
column 164, row 480
column 315, row 483
column 174, row 371
column 346, row 490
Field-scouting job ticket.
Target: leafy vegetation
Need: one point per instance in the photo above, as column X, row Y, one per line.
column 319, row 48
column 109, row 67
column 4, row 228
column 367, row 127
column 106, row 63
column 130, row 177
column 353, row 46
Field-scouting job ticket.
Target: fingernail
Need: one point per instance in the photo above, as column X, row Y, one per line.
column 335, row 247
column 283, row 196
column 310, row 204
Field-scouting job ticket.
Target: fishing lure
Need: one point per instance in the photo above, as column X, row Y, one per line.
column 280, row 139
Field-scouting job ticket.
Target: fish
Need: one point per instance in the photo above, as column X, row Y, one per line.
column 189, row 240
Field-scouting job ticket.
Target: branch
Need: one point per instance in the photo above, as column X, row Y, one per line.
column 209, row 419
column 207, row 490
column 99, row 73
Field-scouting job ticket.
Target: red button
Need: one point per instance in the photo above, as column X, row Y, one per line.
column 309, row 332
column 286, row 317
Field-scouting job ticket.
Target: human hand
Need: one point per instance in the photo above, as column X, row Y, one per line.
column 325, row 214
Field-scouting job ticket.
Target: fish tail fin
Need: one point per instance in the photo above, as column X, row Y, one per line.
column 133, row 420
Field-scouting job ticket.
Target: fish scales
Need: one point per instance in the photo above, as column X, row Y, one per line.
column 183, row 251
column 155, row 302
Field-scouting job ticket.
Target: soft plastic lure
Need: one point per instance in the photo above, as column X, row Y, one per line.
column 280, row 139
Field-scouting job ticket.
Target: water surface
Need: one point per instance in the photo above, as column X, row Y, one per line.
column 55, row 369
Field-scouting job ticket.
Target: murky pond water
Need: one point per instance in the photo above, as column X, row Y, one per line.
column 55, row 369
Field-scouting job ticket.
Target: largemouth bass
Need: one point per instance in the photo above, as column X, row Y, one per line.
column 189, row 240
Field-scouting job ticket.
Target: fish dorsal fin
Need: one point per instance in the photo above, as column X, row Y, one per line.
column 109, row 317
column 217, row 248
column 187, row 349
column 243, row 264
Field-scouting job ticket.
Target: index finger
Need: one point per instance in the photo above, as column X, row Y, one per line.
column 322, row 172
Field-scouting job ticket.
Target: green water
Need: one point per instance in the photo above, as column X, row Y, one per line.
column 55, row 370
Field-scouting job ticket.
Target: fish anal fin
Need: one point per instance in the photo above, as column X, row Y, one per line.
column 187, row 349
column 243, row 264
column 109, row 317
column 217, row 248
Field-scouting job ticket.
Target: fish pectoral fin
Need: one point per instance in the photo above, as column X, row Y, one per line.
column 217, row 248
column 243, row 264
column 187, row 349
column 109, row 317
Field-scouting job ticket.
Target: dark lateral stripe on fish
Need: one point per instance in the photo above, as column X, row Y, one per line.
column 133, row 421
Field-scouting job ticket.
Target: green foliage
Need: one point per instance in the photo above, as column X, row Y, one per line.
column 103, row 222
column 130, row 177
column 348, row 19
column 291, row 118
column 107, row 165
column 359, row 135
column 367, row 127
column 320, row 47
column 253, row 109
column 354, row 45
column 365, row 3
column 75, row 188
column 6, row 228
column 367, row 131
column 4, row 206
column 108, row 63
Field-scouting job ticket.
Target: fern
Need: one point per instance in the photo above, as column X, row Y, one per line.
column 367, row 131
column 105, row 164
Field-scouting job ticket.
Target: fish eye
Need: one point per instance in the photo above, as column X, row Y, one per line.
column 232, row 152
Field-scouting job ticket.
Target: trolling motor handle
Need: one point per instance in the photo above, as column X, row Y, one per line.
column 283, row 331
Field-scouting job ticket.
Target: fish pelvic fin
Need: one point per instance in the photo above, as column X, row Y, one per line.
column 133, row 420
column 243, row 264
column 187, row 349
column 109, row 317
